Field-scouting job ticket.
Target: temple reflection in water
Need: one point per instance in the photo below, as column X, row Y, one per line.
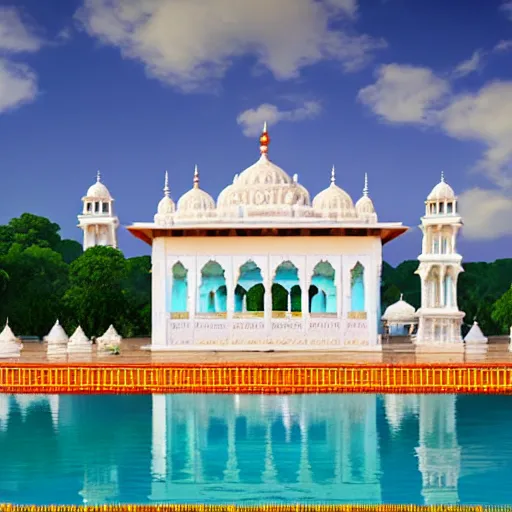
column 235, row 448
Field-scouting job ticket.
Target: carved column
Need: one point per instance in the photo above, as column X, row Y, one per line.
column 267, row 278
column 338, row 277
column 158, row 293
column 304, row 290
column 192, row 291
column 442, row 273
column 159, row 437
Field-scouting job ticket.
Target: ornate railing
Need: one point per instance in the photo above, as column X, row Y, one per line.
column 255, row 378
column 258, row 508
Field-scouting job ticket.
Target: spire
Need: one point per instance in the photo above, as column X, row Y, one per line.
column 401, row 296
column 98, row 176
column 196, row 177
column 333, row 176
column 365, row 189
column 166, row 184
column 264, row 140
column 442, row 176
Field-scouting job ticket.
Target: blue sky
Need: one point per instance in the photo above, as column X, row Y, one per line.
column 400, row 89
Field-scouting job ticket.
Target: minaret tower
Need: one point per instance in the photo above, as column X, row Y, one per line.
column 439, row 318
column 97, row 220
column 439, row 453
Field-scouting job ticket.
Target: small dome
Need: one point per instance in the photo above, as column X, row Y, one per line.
column 196, row 202
column 166, row 206
column 334, row 201
column 400, row 312
column 441, row 191
column 57, row 334
column 364, row 206
column 7, row 336
column 99, row 190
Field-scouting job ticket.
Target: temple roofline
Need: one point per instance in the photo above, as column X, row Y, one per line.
column 149, row 231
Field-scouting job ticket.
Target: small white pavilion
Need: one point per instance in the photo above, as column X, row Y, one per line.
column 400, row 318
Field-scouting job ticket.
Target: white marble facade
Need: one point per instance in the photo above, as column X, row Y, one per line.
column 340, row 328
column 266, row 221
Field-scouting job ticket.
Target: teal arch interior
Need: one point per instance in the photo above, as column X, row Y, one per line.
column 322, row 291
column 286, row 282
column 249, row 291
column 212, row 290
column 179, row 292
column 448, row 295
column 357, row 298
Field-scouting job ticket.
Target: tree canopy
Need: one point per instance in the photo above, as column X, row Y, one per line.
column 44, row 277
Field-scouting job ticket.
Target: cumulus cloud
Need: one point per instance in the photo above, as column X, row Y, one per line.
column 486, row 213
column 404, row 94
column 18, row 83
column 415, row 95
column 252, row 119
column 15, row 35
column 466, row 67
column 191, row 43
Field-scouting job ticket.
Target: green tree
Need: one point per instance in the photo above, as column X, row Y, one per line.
column 37, row 281
column 70, row 250
column 96, row 298
column 6, row 239
column 31, row 229
column 502, row 311
column 137, row 286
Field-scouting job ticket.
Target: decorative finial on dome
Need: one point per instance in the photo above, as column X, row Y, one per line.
column 401, row 296
column 98, row 176
column 365, row 189
column 196, row 177
column 264, row 140
column 442, row 176
column 166, row 184
column 295, row 178
column 333, row 176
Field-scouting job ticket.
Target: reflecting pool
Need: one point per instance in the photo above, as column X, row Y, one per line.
column 421, row 449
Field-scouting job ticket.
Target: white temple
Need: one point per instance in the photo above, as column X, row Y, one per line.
column 264, row 267
column 97, row 219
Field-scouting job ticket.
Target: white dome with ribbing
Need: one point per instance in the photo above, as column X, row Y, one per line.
column 334, row 201
column 196, row 202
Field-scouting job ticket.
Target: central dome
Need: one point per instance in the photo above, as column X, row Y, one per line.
column 263, row 186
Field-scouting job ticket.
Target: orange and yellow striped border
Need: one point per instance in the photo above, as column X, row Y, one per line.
column 257, row 508
column 256, row 378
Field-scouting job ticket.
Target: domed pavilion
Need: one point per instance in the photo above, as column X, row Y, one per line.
column 265, row 267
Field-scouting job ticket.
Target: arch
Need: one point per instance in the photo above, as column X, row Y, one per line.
column 433, row 287
column 323, row 300
column 249, row 290
column 212, row 290
column 286, row 287
column 357, row 295
column 179, row 294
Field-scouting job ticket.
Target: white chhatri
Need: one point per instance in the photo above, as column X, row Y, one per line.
column 476, row 342
column 79, row 343
column 97, row 219
column 439, row 318
column 57, row 340
column 10, row 346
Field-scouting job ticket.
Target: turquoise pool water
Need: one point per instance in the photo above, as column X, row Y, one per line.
column 252, row 449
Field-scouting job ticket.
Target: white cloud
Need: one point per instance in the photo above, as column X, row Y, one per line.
column 503, row 46
column 474, row 63
column 15, row 36
column 192, row 43
column 486, row 214
column 404, row 94
column 252, row 120
column 485, row 116
column 18, row 85
column 506, row 7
